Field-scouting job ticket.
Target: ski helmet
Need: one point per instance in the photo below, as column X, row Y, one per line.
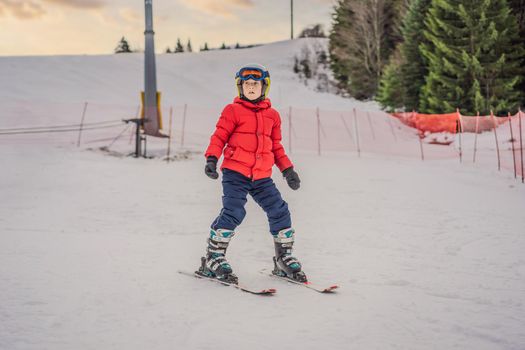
column 256, row 72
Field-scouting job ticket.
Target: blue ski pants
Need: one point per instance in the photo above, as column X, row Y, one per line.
column 235, row 190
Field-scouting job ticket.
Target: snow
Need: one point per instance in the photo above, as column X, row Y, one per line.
column 428, row 255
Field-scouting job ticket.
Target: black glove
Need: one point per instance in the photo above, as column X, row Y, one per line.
column 211, row 168
column 292, row 178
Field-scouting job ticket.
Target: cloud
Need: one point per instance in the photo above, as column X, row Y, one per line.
column 245, row 3
column 163, row 18
column 225, row 8
column 32, row 9
column 130, row 15
column 84, row 4
column 23, row 9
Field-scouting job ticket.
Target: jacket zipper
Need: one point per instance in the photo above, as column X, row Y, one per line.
column 257, row 137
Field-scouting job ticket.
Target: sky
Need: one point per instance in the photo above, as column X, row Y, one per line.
column 58, row 27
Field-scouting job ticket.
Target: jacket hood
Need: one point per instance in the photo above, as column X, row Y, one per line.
column 264, row 104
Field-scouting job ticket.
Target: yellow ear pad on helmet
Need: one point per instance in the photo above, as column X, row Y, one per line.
column 266, row 87
column 239, row 86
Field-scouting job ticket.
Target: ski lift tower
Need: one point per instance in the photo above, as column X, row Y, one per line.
column 291, row 18
column 151, row 97
column 150, row 120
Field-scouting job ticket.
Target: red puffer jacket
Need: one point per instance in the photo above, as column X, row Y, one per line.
column 252, row 135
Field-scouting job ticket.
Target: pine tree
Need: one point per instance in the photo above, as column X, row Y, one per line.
column 223, row 46
column 363, row 36
column 123, row 46
column 413, row 67
column 391, row 93
column 315, row 31
column 168, row 50
column 179, row 48
column 338, row 46
column 404, row 77
column 296, row 68
column 205, row 48
column 473, row 62
column 188, row 46
column 517, row 7
column 305, row 67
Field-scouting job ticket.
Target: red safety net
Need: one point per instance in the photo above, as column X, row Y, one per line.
column 449, row 122
column 430, row 122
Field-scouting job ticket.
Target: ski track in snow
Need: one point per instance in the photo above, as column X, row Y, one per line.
column 428, row 256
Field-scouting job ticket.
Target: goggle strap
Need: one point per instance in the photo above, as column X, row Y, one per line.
column 252, row 73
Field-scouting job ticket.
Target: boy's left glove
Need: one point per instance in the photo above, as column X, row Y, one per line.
column 292, row 178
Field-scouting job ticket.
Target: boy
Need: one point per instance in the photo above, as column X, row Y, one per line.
column 251, row 131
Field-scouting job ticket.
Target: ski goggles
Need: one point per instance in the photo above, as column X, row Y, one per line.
column 252, row 73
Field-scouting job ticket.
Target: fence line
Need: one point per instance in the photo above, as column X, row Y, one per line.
column 476, row 138
column 169, row 135
column 497, row 143
column 47, row 131
column 82, row 123
column 512, row 146
column 318, row 133
column 521, row 148
column 308, row 130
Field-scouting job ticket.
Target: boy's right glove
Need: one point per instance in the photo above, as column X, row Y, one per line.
column 292, row 178
column 211, row 168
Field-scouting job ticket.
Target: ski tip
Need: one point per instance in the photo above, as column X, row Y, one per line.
column 330, row 289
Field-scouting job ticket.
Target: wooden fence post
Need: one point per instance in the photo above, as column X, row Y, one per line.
column 357, row 134
column 183, row 125
column 521, row 147
column 512, row 144
column 496, row 137
column 82, row 123
column 392, row 127
column 476, row 138
column 419, row 136
column 460, row 129
column 169, row 135
column 318, row 133
column 371, row 126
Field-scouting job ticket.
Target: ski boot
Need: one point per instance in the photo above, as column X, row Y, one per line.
column 214, row 264
column 285, row 265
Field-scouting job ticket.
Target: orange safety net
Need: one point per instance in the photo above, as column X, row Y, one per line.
column 430, row 122
column 479, row 124
column 450, row 122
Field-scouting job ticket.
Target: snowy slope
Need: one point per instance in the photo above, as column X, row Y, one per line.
column 88, row 260
column 429, row 255
column 199, row 78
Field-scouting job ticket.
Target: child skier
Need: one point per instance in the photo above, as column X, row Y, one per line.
column 251, row 131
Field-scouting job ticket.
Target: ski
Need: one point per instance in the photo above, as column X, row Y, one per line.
column 268, row 291
column 309, row 285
